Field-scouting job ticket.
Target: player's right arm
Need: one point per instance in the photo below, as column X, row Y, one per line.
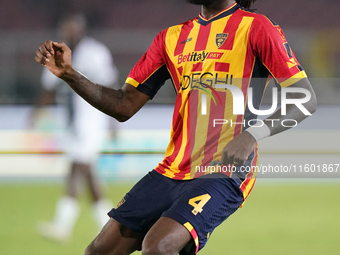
column 120, row 104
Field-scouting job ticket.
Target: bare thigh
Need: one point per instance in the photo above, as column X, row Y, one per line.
column 115, row 239
column 166, row 237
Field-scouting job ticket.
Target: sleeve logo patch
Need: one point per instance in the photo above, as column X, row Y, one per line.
column 291, row 63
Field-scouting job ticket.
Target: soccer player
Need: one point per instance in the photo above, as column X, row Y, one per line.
column 226, row 55
column 86, row 127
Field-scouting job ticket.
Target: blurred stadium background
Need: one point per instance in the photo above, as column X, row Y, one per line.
column 286, row 214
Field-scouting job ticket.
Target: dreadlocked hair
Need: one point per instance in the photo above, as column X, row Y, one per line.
column 245, row 3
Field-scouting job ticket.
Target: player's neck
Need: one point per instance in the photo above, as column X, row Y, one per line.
column 213, row 9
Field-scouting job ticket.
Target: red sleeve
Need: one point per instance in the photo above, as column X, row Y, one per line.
column 150, row 72
column 270, row 45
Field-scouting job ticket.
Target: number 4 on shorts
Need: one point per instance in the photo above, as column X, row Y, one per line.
column 198, row 207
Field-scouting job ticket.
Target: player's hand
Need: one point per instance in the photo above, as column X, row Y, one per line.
column 238, row 150
column 56, row 56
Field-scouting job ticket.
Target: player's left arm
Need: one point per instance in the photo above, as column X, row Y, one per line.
column 294, row 113
column 270, row 45
column 238, row 150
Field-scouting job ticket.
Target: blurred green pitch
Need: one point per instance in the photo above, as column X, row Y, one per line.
column 279, row 218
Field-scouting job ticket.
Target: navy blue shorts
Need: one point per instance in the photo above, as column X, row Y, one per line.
column 200, row 204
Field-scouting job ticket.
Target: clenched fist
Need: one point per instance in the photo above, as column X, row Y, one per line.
column 56, row 56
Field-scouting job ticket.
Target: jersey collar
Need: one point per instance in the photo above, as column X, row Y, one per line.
column 220, row 15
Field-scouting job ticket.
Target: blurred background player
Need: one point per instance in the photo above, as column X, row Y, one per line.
column 86, row 128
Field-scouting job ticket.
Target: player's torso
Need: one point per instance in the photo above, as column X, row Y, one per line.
column 205, row 56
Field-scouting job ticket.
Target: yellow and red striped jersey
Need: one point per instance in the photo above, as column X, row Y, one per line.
column 236, row 47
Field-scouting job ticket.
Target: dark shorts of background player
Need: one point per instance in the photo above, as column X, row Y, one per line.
column 156, row 196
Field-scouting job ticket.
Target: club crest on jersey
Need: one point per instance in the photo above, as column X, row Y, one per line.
column 220, row 39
